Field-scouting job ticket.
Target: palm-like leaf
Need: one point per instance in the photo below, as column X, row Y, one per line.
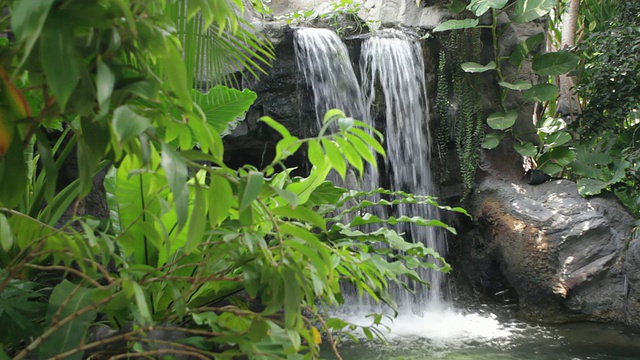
column 217, row 41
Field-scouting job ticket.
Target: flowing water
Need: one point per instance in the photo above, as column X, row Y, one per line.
column 427, row 327
column 394, row 62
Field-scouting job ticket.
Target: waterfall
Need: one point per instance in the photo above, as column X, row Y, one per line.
column 324, row 62
column 392, row 64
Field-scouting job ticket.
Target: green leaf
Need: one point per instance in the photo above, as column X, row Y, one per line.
column 220, row 199
column 27, row 20
column 335, row 157
column 364, row 151
column 492, row 140
column 141, row 302
column 66, row 300
column 6, row 237
column 557, row 139
column 59, row 59
column 541, row 93
column 550, row 125
column 315, row 153
column 501, row 121
column 127, row 124
column 350, row 154
column 175, row 168
column 197, row 221
column 176, row 74
column 457, row 6
column 479, row 7
column 13, row 175
column 92, row 146
column 457, row 24
column 276, row 126
column 518, row 85
column 528, row 10
column 588, row 187
column 105, row 80
column 524, row 48
column 224, row 107
column 472, row 67
column 526, row 149
column 250, row 188
column 303, row 214
column 555, row 63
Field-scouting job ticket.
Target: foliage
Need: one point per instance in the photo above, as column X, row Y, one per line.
column 237, row 262
column 464, row 125
column 339, row 10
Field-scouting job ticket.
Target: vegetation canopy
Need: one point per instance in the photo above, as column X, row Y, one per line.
column 195, row 258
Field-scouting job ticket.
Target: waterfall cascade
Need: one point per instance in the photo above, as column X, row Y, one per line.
column 395, row 62
column 392, row 64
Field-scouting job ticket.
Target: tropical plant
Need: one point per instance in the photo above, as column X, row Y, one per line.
column 196, row 258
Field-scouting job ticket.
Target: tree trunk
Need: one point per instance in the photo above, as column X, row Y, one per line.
column 567, row 101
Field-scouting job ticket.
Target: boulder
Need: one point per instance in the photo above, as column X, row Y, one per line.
column 562, row 254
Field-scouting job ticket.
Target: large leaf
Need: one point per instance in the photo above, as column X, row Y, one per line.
column 491, row 140
column 555, row 63
column 127, row 124
column 527, row 10
column 541, row 92
column 501, row 120
column 457, row 24
column 224, row 107
column 525, row 47
column 66, row 300
column 132, row 195
column 59, row 59
column 27, row 20
column 479, row 7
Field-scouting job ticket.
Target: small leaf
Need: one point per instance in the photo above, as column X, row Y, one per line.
column 472, row 67
column 528, row 10
column 557, row 139
column 555, row 63
column 250, row 188
column 175, row 168
column 335, row 157
column 517, row 85
column 550, row 125
column 492, row 140
column 141, row 302
column 315, row 153
column 276, row 126
column 524, row 48
column 501, row 121
column 220, row 199
column 315, row 334
column 526, row 149
column 457, row 24
column 303, row 214
column 479, row 7
column 541, row 93
column 127, row 124
column 351, row 154
column 196, row 221
column 105, row 81
column 6, row 236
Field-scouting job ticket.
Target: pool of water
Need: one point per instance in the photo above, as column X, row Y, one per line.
column 457, row 335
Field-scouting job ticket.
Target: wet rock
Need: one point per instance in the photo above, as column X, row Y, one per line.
column 562, row 254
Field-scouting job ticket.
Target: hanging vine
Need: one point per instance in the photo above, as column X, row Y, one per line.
column 466, row 125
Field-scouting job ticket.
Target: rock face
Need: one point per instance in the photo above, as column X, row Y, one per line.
column 563, row 255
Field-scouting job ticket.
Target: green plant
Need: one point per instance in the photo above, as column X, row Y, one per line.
column 549, row 64
column 237, row 262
